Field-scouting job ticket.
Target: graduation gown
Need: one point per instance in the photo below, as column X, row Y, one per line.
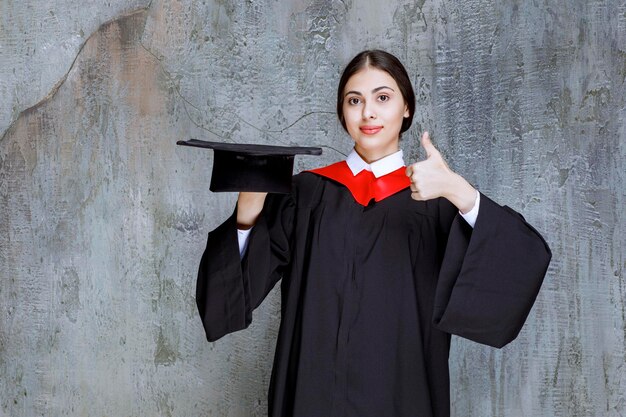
column 370, row 294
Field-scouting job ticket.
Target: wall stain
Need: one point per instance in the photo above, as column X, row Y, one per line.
column 164, row 354
column 58, row 85
column 594, row 106
column 561, row 106
column 165, row 405
column 184, row 221
column 70, row 293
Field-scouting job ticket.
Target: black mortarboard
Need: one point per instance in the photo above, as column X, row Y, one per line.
column 249, row 167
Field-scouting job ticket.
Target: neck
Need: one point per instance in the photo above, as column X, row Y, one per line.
column 374, row 156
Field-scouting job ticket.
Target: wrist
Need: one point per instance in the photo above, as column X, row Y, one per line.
column 461, row 193
column 249, row 206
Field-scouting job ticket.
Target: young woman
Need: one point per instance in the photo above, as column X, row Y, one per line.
column 379, row 262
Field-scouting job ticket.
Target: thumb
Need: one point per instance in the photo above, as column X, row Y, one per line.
column 428, row 145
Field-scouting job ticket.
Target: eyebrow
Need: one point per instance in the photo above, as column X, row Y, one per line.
column 373, row 91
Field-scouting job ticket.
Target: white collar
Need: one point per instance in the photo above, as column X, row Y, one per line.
column 379, row 168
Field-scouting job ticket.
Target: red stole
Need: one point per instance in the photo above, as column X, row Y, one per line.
column 364, row 186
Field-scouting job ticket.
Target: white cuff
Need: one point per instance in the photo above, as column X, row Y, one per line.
column 243, row 237
column 471, row 216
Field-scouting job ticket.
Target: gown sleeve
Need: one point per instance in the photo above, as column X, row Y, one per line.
column 490, row 275
column 229, row 288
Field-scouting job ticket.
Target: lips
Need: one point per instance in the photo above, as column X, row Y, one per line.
column 370, row 130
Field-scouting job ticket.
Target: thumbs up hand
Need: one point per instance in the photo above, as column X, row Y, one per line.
column 432, row 178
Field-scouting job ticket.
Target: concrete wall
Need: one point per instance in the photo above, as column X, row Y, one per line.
column 103, row 220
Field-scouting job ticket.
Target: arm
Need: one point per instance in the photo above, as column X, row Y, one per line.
column 490, row 275
column 249, row 206
column 229, row 288
column 492, row 269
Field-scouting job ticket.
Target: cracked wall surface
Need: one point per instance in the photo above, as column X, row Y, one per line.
column 103, row 219
column 39, row 42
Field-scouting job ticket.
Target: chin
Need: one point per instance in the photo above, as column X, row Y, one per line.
column 376, row 150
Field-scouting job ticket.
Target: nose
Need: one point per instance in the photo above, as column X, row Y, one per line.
column 368, row 111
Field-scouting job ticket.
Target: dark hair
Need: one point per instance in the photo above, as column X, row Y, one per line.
column 384, row 61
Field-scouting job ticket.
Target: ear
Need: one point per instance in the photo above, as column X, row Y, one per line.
column 406, row 111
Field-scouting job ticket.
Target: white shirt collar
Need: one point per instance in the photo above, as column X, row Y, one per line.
column 379, row 168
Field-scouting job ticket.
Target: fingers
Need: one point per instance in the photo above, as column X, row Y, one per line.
column 415, row 195
column 428, row 145
column 412, row 174
column 419, row 187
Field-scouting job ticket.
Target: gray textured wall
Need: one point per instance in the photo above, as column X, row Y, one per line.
column 103, row 220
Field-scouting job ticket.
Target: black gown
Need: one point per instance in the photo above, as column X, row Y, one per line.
column 370, row 294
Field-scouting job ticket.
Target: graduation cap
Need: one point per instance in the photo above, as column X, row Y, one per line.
column 250, row 167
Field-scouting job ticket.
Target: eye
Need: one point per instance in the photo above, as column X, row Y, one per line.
column 353, row 101
column 383, row 97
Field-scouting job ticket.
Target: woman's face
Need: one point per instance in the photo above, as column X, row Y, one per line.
column 373, row 109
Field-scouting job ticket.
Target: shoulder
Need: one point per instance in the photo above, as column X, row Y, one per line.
column 308, row 188
column 314, row 177
column 305, row 183
column 305, row 179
